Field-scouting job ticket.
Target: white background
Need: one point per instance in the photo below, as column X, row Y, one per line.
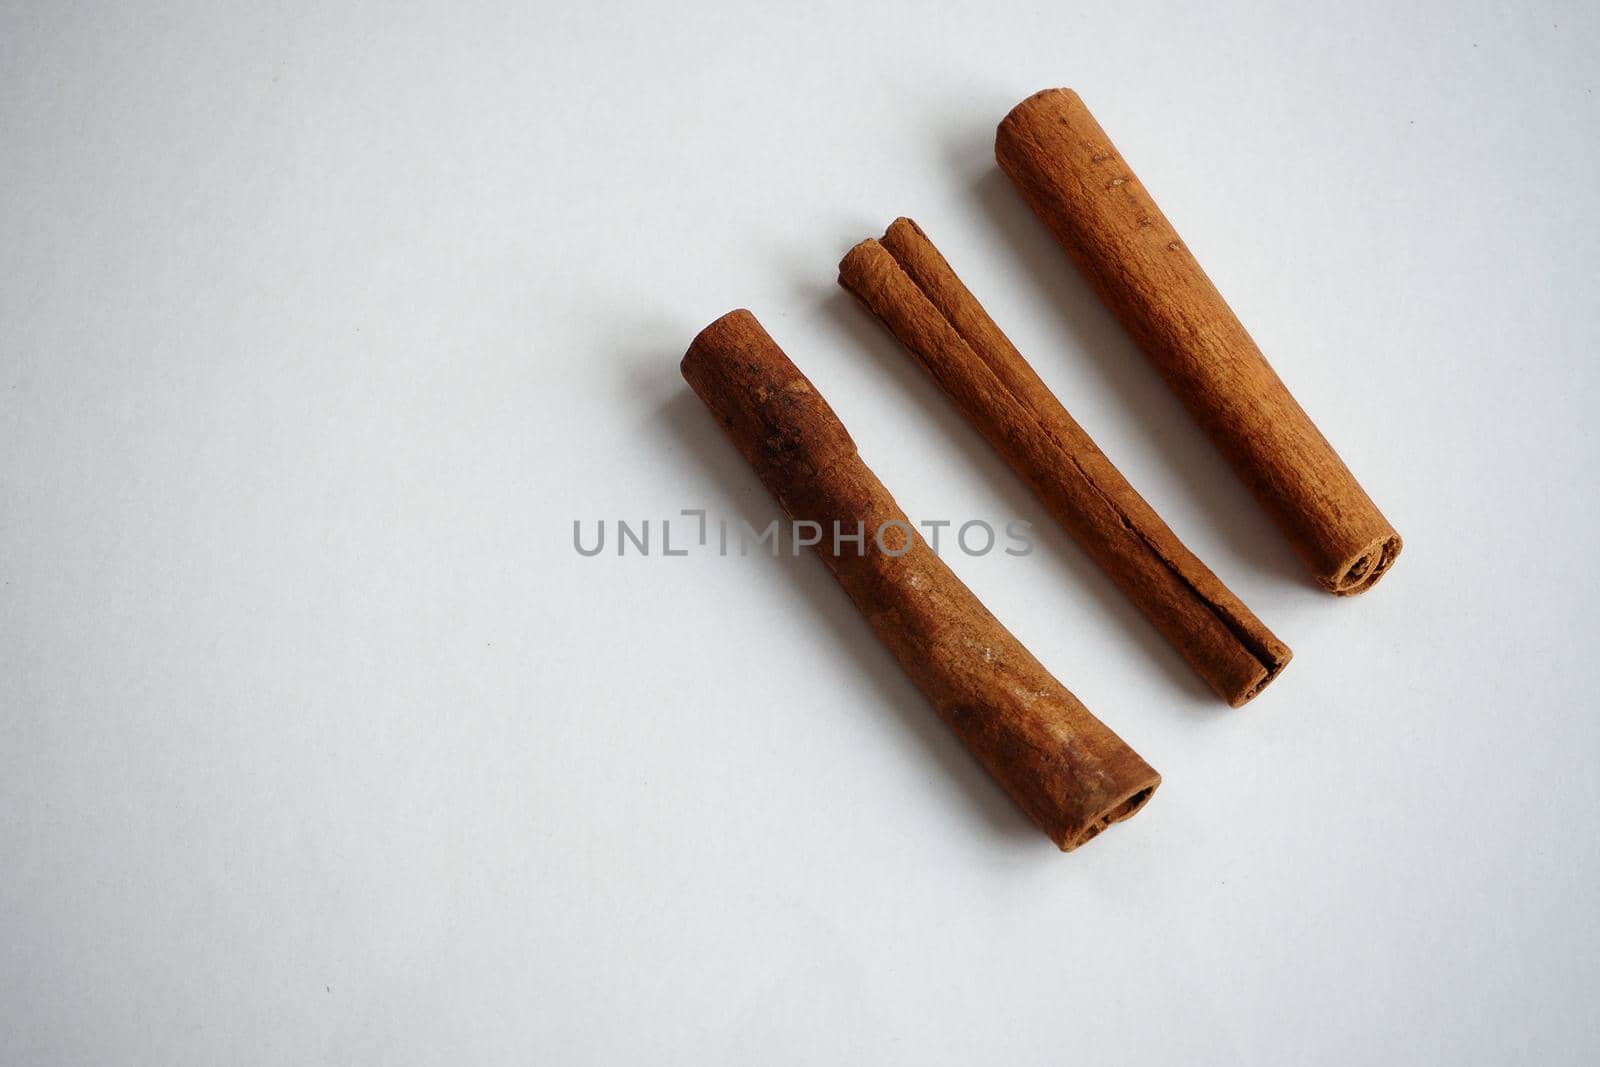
column 320, row 323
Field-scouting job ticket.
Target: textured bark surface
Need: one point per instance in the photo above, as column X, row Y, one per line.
column 909, row 286
column 1084, row 191
column 1063, row 766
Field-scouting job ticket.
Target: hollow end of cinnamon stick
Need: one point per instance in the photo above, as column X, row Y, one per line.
column 1085, row 192
column 1123, row 808
column 1362, row 573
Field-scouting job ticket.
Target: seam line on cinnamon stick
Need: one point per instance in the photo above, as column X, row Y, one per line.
column 1270, row 665
column 905, row 283
column 894, row 242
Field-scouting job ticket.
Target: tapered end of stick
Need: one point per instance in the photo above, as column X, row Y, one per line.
column 1363, row 571
column 1274, row 659
column 1123, row 808
column 769, row 408
column 735, row 328
column 855, row 260
column 1018, row 118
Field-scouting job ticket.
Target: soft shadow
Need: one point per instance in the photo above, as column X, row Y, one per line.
column 733, row 490
column 1067, row 565
column 1209, row 484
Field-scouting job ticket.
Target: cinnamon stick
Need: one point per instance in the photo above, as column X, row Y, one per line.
column 1062, row 766
column 908, row 285
column 1084, row 191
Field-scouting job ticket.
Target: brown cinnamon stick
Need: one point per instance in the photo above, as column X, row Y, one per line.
column 1071, row 774
column 1084, row 191
column 909, row 286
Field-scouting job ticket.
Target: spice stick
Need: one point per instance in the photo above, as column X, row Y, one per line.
column 1084, row 191
column 909, row 286
column 1062, row 766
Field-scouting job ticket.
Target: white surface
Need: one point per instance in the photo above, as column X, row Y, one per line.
column 320, row 323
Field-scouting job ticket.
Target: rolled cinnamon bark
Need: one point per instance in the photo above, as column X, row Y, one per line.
column 909, row 286
column 1062, row 766
column 1084, row 191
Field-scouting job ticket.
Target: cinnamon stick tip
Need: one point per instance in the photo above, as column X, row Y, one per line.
column 1124, row 807
column 873, row 246
column 739, row 322
column 902, row 224
column 858, row 256
column 1281, row 654
column 1042, row 98
column 1370, row 564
